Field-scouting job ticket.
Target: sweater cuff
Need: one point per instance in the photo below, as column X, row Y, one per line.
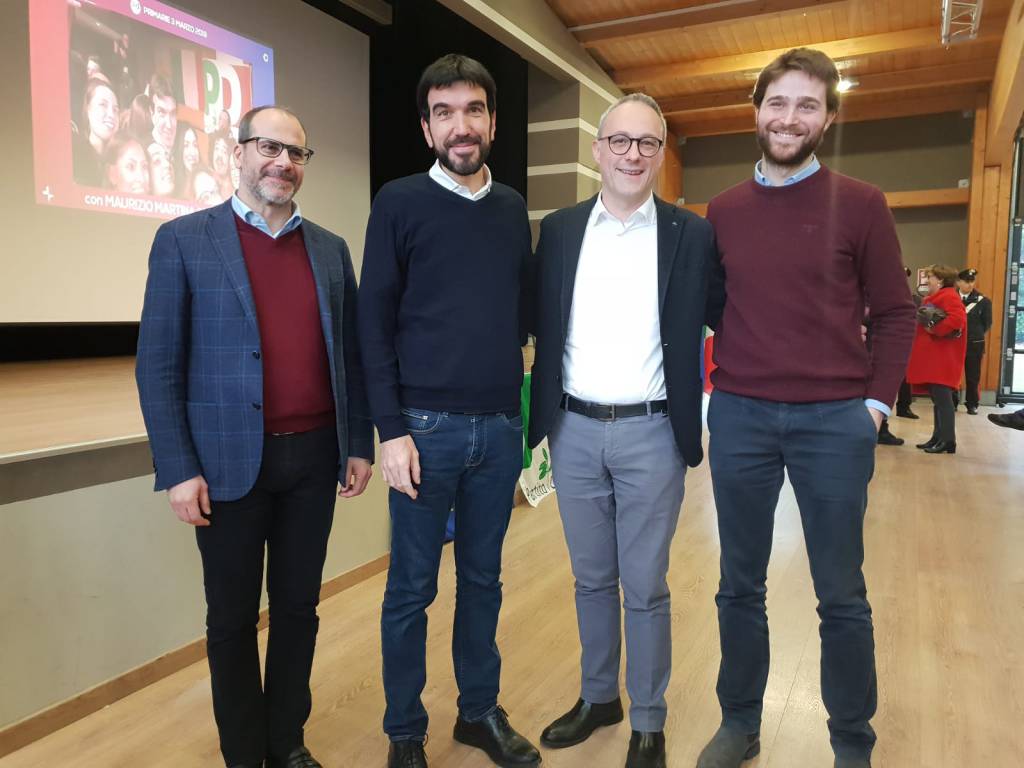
column 878, row 405
column 391, row 427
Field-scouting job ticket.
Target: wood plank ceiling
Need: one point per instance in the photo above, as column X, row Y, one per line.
column 700, row 59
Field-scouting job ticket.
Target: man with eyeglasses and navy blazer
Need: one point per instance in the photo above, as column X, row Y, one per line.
column 252, row 391
column 616, row 387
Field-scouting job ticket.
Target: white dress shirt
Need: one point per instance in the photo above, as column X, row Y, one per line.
column 613, row 346
column 438, row 174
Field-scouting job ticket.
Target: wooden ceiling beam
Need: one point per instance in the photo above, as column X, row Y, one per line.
column 922, row 38
column 978, row 71
column 1006, row 105
column 693, row 16
column 949, row 100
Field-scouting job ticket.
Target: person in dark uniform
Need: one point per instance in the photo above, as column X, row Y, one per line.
column 979, row 320
column 906, row 397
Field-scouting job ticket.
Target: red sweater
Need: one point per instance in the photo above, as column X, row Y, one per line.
column 297, row 395
column 800, row 263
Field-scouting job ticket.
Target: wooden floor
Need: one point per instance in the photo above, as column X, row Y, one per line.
column 945, row 565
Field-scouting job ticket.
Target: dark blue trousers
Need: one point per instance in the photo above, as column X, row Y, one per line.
column 287, row 517
column 470, row 462
column 828, row 451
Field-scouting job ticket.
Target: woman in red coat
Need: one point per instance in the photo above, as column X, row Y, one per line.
column 937, row 358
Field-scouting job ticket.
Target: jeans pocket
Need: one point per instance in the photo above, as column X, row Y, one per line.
column 421, row 422
column 515, row 422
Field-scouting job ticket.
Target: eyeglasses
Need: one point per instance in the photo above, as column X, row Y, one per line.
column 271, row 148
column 620, row 144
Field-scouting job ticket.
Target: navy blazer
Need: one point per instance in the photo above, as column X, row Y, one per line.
column 198, row 370
column 686, row 249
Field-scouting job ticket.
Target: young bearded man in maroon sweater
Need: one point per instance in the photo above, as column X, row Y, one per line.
column 801, row 251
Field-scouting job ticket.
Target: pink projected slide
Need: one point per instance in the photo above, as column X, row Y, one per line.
column 135, row 105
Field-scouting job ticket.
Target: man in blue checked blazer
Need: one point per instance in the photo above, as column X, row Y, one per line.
column 252, row 391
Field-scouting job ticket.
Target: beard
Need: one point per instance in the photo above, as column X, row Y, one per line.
column 463, row 166
column 261, row 190
column 793, row 158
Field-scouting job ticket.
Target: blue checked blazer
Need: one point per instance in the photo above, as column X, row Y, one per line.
column 199, row 369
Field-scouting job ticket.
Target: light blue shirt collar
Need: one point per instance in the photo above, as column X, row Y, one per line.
column 811, row 169
column 253, row 219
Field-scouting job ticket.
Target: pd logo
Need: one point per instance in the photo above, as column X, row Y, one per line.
column 136, row 7
column 228, row 87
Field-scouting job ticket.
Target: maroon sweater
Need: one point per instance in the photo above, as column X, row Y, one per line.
column 297, row 394
column 800, row 263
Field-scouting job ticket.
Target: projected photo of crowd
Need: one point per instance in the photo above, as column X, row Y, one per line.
column 152, row 110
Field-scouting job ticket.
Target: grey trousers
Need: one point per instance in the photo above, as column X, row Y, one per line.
column 620, row 486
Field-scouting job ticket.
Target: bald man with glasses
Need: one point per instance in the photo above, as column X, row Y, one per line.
column 252, row 391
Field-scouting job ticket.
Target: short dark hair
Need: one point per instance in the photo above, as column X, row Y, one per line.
column 449, row 69
column 807, row 60
column 160, row 88
column 946, row 274
column 245, row 124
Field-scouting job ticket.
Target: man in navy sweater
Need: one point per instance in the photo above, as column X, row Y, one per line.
column 796, row 391
column 445, row 264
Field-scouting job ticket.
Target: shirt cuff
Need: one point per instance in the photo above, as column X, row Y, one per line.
column 878, row 406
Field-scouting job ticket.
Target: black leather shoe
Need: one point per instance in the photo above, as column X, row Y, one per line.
column 972, row 410
column 942, row 447
column 928, row 444
column 297, row 758
column 407, row 754
column 576, row 725
column 906, row 413
column 885, row 437
column 646, row 750
column 498, row 739
column 1013, row 420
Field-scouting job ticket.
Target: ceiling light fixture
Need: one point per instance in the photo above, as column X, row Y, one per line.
column 960, row 20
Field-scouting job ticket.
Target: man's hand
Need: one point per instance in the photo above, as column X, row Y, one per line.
column 400, row 465
column 189, row 499
column 877, row 416
column 357, row 475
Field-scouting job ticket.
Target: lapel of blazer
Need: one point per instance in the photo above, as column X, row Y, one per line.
column 670, row 230
column 224, row 234
column 318, row 263
column 572, row 242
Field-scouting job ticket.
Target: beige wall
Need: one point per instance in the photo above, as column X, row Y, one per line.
column 100, row 580
column 83, row 266
column 931, row 152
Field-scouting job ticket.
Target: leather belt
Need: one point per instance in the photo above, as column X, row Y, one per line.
column 613, row 411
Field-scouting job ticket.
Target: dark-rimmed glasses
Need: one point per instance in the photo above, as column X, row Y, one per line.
column 620, row 144
column 272, row 148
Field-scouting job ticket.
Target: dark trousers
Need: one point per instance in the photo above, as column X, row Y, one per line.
column 287, row 517
column 471, row 463
column 945, row 413
column 828, row 451
column 972, row 372
column 905, row 397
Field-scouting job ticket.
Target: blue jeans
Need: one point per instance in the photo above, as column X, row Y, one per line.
column 828, row 450
column 471, row 463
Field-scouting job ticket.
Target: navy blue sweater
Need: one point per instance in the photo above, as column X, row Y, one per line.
column 441, row 301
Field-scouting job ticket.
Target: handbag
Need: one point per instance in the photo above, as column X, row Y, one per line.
column 930, row 315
